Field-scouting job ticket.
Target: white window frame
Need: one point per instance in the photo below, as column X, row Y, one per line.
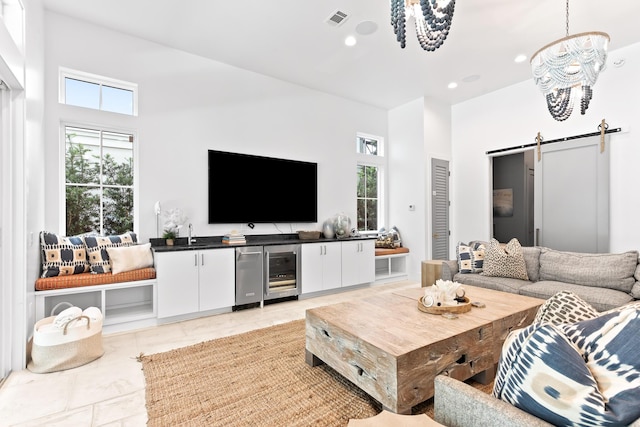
column 65, row 73
column 379, row 161
column 62, row 177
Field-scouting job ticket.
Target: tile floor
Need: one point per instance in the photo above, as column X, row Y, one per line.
column 110, row 391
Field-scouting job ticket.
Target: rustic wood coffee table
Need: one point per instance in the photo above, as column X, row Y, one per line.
column 393, row 351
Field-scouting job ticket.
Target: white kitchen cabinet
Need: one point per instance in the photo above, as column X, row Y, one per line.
column 194, row 280
column 321, row 266
column 177, row 275
column 358, row 262
column 217, row 276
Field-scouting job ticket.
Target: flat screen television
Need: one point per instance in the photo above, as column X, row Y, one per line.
column 245, row 188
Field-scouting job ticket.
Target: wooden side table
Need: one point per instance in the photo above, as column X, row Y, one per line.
column 431, row 271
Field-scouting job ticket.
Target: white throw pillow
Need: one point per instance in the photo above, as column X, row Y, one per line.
column 127, row 258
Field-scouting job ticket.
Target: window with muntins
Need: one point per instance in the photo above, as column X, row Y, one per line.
column 97, row 92
column 99, row 190
column 369, row 183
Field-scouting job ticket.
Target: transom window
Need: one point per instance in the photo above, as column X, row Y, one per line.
column 98, row 92
column 369, row 171
column 99, row 190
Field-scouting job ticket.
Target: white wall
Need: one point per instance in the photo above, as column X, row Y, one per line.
column 418, row 131
column 34, row 156
column 189, row 104
column 513, row 116
column 21, row 68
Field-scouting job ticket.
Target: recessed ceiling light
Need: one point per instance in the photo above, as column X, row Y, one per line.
column 520, row 58
column 618, row 62
column 350, row 41
column 452, row 85
column 471, row 78
column 366, row 27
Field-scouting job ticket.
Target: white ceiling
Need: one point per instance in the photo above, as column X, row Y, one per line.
column 291, row 40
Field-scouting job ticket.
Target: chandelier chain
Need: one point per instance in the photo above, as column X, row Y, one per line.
column 567, row 28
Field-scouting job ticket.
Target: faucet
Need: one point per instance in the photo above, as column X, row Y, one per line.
column 190, row 238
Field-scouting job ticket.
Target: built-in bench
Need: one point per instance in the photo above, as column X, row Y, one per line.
column 391, row 264
column 125, row 294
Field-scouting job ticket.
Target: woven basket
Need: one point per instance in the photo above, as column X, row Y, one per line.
column 308, row 235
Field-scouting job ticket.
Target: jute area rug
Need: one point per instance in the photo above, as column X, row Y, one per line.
column 259, row 378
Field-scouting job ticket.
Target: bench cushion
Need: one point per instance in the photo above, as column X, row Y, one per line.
column 89, row 279
column 389, row 251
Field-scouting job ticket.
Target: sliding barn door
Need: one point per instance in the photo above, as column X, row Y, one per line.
column 572, row 195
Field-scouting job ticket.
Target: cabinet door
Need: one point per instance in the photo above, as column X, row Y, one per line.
column 311, row 266
column 350, row 263
column 177, row 274
column 217, row 278
column 331, row 266
column 368, row 261
column 358, row 262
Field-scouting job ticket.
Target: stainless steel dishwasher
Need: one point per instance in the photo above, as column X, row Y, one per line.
column 248, row 275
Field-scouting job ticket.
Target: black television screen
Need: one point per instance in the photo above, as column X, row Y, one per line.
column 245, row 189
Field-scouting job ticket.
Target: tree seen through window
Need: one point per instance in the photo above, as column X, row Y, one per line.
column 98, row 181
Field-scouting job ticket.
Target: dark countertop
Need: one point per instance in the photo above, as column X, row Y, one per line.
column 215, row 242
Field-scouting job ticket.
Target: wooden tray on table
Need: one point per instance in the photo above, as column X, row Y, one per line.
column 462, row 307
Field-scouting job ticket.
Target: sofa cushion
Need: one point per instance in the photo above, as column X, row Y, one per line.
column 531, row 256
column 600, row 298
column 635, row 290
column 586, row 373
column 97, row 249
column 613, row 271
column 503, row 284
column 470, row 257
column 62, row 255
column 127, row 258
column 565, row 307
column 505, row 262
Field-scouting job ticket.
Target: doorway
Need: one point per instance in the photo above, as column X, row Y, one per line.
column 513, row 197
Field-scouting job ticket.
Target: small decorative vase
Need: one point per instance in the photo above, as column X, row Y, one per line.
column 169, row 242
column 327, row 229
column 342, row 225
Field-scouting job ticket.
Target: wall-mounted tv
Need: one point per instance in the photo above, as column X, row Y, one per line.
column 245, row 188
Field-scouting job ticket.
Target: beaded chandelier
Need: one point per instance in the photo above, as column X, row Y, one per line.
column 432, row 22
column 566, row 70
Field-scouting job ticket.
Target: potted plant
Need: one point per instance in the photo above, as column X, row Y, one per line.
column 169, row 236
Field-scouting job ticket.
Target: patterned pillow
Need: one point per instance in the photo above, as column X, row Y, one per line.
column 565, row 307
column 62, row 256
column 470, row 257
column 550, row 371
column 507, row 262
column 97, row 249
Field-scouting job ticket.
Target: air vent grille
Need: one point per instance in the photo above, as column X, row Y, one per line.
column 337, row 18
